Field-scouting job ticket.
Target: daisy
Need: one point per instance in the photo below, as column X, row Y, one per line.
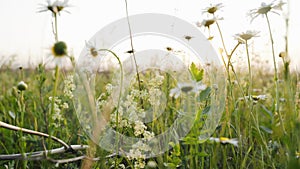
column 259, row 97
column 213, row 8
column 245, row 36
column 225, row 140
column 92, row 51
column 264, row 9
column 193, row 86
column 55, row 7
column 208, row 22
column 59, row 55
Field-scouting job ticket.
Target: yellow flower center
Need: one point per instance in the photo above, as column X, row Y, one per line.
column 224, row 139
column 209, row 22
column 59, row 49
column 264, row 10
column 212, row 10
column 186, row 88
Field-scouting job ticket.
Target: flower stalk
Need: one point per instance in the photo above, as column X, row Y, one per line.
column 275, row 76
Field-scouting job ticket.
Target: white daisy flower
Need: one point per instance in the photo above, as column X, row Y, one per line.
column 259, row 97
column 265, row 9
column 193, row 86
column 55, row 7
column 208, row 22
column 245, row 36
column 213, row 8
column 225, row 140
column 59, row 55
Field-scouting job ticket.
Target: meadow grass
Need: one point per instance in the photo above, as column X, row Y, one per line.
column 259, row 127
column 261, row 142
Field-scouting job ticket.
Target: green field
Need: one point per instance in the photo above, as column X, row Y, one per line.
column 53, row 117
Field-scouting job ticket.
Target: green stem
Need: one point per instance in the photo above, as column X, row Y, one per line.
column 250, row 73
column 133, row 53
column 56, row 76
column 22, row 142
column 275, row 76
column 222, row 39
column 120, row 94
column 55, row 27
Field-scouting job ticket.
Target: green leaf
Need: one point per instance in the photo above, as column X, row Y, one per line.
column 197, row 73
column 204, row 94
column 266, row 110
column 266, row 129
column 202, row 154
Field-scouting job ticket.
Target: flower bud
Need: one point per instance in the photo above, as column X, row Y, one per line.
column 22, row 86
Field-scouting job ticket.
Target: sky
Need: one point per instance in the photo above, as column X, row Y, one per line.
column 28, row 34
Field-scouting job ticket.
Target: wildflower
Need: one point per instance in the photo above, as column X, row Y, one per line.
column 59, row 49
column 208, row 22
column 282, row 54
column 92, row 49
column 139, row 128
column 22, row 86
column 193, row 86
column 245, row 36
column 154, row 96
column 297, row 154
column 69, row 86
column 225, row 140
column 59, row 53
column 282, row 99
column 58, row 106
column 55, row 7
column 152, row 164
column 213, row 8
column 258, row 97
column 264, row 9
column 139, row 164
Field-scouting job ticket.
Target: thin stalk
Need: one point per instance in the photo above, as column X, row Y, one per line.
column 22, row 142
column 229, row 58
column 275, row 76
column 222, row 39
column 120, row 94
column 56, row 76
column 55, row 27
column 249, row 70
column 131, row 44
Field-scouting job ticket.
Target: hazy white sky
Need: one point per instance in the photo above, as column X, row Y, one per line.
column 28, row 34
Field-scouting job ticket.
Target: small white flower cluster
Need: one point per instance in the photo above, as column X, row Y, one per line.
column 154, row 96
column 139, row 128
column 58, row 106
column 69, row 86
column 120, row 166
column 137, row 153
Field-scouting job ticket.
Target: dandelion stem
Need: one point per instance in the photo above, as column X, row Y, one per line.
column 275, row 76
